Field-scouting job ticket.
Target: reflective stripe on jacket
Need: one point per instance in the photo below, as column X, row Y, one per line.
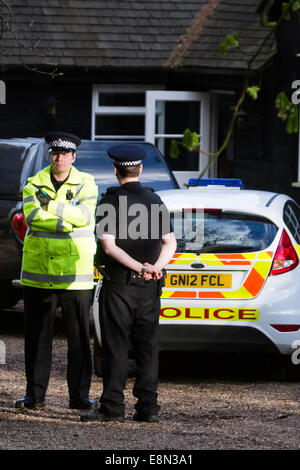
column 59, row 245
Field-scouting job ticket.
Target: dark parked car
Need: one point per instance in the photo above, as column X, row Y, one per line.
column 21, row 158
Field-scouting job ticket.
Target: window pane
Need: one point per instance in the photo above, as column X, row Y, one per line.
column 121, row 99
column 186, row 161
column 120, row 125
column 92, row 158
column 217, row 232
column 11, row 162
column 179, row 115
column 291, row 217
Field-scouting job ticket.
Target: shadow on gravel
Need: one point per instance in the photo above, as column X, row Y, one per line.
column 12, row 321
column 179, row 364
column 223, row 366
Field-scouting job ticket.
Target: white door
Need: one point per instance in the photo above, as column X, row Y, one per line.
column 194, row 109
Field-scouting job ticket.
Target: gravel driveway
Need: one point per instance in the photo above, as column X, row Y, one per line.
column 224, row 405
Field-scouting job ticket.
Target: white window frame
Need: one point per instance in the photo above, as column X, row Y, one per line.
column 203, row 132
column 98, row 110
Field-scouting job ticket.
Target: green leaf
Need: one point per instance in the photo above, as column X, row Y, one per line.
column 253, row 91
column 222, row 48
column 296, row 5
column 282, row 103
column 292, row 121
column 174, row 150
column 190, row 140
column 230, row 41
column 187, row 138
column 285, row 9
column 287, row 112
column 195, row 141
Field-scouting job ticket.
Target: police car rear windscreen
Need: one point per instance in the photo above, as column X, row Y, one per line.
column 216, row 231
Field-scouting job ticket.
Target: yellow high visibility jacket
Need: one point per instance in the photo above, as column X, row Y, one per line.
column 59, row 245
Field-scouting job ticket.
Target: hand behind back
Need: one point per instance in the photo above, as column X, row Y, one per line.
column 151, row 272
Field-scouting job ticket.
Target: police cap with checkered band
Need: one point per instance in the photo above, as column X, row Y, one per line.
column 126, row 154
column 63, row 141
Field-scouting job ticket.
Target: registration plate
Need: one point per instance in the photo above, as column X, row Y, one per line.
column 213, row 280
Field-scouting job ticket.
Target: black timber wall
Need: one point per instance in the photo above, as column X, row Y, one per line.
column 266, row 156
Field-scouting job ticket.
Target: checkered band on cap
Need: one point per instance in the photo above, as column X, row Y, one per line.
column 64, row 144
column 124, row 163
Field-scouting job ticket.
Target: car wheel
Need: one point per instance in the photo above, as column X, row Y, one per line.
column 9, row 295
column 291, row 371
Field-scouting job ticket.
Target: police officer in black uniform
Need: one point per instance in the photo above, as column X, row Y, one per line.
column 134, row 250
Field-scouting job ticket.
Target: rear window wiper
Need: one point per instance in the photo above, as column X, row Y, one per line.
column 226, row 249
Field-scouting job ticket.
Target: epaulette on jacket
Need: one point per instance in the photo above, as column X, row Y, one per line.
column 150, row 189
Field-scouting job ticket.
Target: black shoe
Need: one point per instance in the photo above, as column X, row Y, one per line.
column 96, row 416
column 29, row 402
column 85, row 404
column 148, row 418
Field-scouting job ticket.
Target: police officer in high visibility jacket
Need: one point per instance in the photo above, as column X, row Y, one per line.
column 134, row 253
column 57, row 270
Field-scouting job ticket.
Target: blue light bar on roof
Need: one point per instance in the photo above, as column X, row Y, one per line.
column 228, row 182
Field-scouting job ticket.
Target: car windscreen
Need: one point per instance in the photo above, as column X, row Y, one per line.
column 12, row 160
column 217, row 231
column 92, row 158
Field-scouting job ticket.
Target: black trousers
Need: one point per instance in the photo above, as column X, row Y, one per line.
column 40, row 306
column 129, row 314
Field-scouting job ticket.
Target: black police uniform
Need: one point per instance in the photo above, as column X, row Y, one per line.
column 130, row 306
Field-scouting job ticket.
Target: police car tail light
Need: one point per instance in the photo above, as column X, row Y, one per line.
column 19, row 225
column 286, row 328
column 285, row 258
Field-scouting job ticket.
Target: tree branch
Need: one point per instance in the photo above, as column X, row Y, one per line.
column 8, row 24
column 192, row 34
column 190, row 37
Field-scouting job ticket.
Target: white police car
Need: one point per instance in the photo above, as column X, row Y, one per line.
column 234, row 281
